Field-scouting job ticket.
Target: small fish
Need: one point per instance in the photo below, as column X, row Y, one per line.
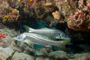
column 2, row 35
column 12, row 15
column 86, row 58
column 50, row 33
column 50, row 25
column 30, row 38
column 31, row 2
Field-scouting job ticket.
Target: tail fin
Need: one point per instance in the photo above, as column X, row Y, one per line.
column 63, row 43
column 28, row 29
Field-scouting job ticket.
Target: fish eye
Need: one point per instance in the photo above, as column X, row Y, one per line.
column 19, row 37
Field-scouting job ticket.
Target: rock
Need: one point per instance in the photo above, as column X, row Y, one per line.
column 8, row 33
column 83, row 56
column 85, row 47
column 45, row 51
column 41, row 58
column 22, row 56
column 58, row 54
column 5, row 53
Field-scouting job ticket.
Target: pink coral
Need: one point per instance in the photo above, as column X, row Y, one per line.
column 77, row 20
column 88, row 3
column 81, row 4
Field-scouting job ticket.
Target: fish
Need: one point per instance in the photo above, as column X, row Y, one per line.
column 2, row 35
column 50, row 33
column 32, row 38
column 31, row 2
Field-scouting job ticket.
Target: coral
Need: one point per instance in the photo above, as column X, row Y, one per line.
column 58, row 54
column 79, row 20
column 76, row 13
column 5, row 53
column 83, row 56
column 22, row 56
column 7, row 13
column 56, row 15
column 5, row 42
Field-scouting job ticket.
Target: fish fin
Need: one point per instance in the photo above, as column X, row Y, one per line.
column 48, row 46
column 65, row 42
column 28, row 29
column 28, row 42
column 42, row 27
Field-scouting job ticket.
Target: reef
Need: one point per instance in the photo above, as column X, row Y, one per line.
column 70, row 16
column 7, row 13
column 15, row 50
column 74, row 12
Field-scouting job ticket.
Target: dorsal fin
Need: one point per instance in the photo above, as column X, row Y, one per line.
column 28, row 28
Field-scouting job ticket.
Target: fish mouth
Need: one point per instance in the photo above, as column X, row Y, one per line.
column 15, row 38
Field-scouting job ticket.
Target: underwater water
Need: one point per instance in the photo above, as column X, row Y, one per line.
column 45, row 30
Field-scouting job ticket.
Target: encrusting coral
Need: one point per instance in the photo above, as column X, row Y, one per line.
column 7, row 13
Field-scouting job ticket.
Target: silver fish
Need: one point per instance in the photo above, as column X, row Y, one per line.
column 41, row 40
column 51, row 33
